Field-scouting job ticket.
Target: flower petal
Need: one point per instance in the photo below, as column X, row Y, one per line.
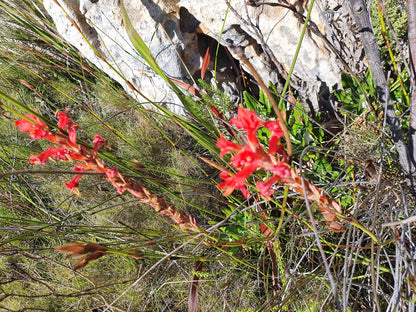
column 275, row 136
column 74, row 182
column 98, row 141
column 55, row 153
column 65, row 123
column 227, row 146
column 247, row 120
column 281, row 169
column 245, row 158
column 264, row 187
column 36, row 129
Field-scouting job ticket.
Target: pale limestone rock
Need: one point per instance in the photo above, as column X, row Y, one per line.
column 172, row 35
column 281, row 31
column 101, row 23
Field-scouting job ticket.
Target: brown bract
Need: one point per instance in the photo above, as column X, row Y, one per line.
column 91, row 251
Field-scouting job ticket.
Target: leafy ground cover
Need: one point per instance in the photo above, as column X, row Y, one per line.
column 317, row 214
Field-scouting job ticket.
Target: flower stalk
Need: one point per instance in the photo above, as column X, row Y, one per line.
column 65, row 147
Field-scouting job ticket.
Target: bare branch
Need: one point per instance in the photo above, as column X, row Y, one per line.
column 411, row 17
column 362, row 18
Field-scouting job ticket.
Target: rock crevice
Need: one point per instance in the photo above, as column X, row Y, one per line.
column 178, row 33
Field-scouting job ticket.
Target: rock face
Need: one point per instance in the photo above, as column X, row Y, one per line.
column 178, row 33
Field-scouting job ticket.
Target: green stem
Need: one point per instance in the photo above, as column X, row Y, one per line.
column 292, row 67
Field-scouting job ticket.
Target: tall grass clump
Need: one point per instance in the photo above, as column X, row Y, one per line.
column 107, row 206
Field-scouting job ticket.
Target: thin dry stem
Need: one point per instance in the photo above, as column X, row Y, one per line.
column 240, row 53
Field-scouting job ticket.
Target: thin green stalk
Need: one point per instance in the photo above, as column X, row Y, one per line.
column 282, row 212
column 219, row 40
column 292, row 67
column 386, row 41
column 239, row 51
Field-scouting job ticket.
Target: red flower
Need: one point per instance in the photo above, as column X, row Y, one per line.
column 264, row 187
column 116, row 180
column 233, row 182
column 98, row 141
column 274, row 127
column 74, row 182
column 66, row 148
column 252, row 156
column 275, row 136
column 246, row 157
column 247, row 120
column 55, row 153
column 36, row 128
column 281, row 169
column 80, row 167
column 111, row 173
column 81, row 154
column 227, row 146
column 65, row 123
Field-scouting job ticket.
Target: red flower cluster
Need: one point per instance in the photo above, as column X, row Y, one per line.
column 252, row 156
column 66, row 148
